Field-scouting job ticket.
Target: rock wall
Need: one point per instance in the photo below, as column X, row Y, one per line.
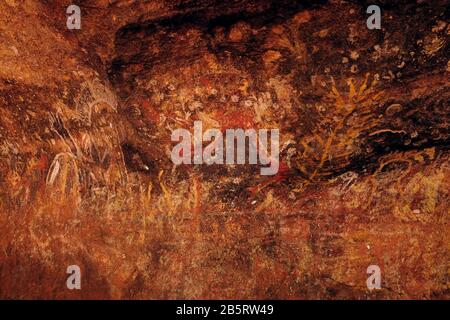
column 85, row 140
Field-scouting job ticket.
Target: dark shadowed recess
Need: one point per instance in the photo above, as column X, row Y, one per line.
column 427, row 115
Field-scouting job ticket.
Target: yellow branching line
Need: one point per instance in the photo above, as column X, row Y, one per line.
column 361, row 98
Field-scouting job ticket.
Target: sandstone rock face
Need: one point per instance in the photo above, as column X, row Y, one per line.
column 86, row 176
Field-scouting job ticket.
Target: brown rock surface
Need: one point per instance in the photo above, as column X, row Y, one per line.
column 85, row 170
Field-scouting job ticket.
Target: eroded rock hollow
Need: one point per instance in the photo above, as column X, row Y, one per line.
column 86, row 176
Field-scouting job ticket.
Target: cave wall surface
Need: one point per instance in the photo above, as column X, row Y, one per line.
column 86, row 176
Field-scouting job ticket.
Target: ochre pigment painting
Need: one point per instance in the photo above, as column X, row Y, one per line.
column 205, row 149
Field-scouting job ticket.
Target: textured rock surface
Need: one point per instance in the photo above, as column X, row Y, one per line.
column 85, row 170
